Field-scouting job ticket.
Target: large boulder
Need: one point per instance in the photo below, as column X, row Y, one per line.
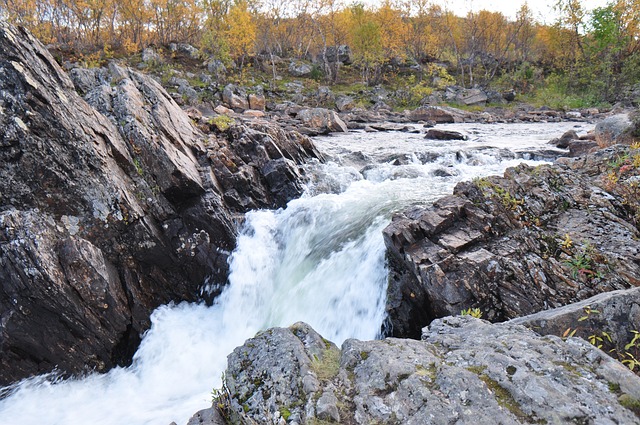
column 105, row 216
column 464, row 370
column 322, row 120
column 613, row 129
column 534, row 239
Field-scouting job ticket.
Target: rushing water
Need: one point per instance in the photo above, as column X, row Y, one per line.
column 320, row 260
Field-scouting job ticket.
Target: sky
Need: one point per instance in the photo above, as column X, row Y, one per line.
column 542, row 9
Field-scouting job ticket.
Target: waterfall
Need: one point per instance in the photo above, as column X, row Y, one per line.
column 320, row 260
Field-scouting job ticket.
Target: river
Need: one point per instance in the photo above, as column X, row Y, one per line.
column 320, row 260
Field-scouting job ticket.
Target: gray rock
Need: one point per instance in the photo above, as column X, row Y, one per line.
column 464, row 370
column 327, row 407
column 344, row 103
column 150, row 56
column 235, row 98
column 210, row 416
column 112, row 206
column 299, row 69
column 612, row 316
column 534, row 239
column 474, row 97
column 565, row 139
column 611, row 129
column 437, row 134
column 322, row 119
column 341, row 53
column 185, row 49
column 216, row 67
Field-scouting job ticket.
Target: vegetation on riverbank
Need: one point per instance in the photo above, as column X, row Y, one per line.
column 585, row 58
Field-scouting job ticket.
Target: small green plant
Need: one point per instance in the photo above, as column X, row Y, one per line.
column 583, row 263
column 222, row 122
column 221, row 399
column 326, row 367
column 473, row 312
column 138, row 165
column 631, row 352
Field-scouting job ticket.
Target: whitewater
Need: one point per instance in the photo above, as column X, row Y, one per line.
column 320, row 260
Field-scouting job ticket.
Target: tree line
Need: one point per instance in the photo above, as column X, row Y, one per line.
column 591, row 52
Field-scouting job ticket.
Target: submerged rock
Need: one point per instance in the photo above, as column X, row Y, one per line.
column 464, row 370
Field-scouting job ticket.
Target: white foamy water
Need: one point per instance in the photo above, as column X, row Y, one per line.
column 320, row 260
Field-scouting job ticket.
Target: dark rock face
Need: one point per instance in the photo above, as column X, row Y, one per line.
column 437, row 134
column 102, row 219
column 534, row 239
column 464, row 370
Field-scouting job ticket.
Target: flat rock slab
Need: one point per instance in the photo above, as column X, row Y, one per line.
column 464, row 370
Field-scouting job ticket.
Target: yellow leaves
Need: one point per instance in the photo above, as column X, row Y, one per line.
column 241, row 30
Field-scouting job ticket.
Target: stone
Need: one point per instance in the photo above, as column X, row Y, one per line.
column 344, row 103
column 565, row 139
column 437, row 134
column 464, row 370
column 185, row 49
column 223, row 110
column 299, row 69
column 252, row 113
column 216, row 67
column 613, row 129
column 257, row 102
column 509, row 96
column 474, row 97
column 437, row 114
column 235, row 98
column 341, row 53
column 150, row 56
column 612, row 316
column 118, row 204
column 210, row 416
column 499, row 244
column 322, row 120
column 582, row 147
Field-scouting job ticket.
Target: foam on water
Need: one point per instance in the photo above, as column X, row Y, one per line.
column 320, row 260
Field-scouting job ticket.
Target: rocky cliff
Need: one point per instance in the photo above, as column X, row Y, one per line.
column 464, row 370
column 533, row 239
column 112, row 206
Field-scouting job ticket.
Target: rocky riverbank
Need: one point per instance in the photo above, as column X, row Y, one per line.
column 114, row 200
column 114, row 204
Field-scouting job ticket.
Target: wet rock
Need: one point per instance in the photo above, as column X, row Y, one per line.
column 437, row 134
column 563, row 141
column 322, row 120
column 534, row 239
column 299, row 69
column 464, row 370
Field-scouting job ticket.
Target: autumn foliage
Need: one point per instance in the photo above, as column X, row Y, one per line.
column 593, row 52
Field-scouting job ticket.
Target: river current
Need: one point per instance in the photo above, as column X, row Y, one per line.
column 319, row 260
